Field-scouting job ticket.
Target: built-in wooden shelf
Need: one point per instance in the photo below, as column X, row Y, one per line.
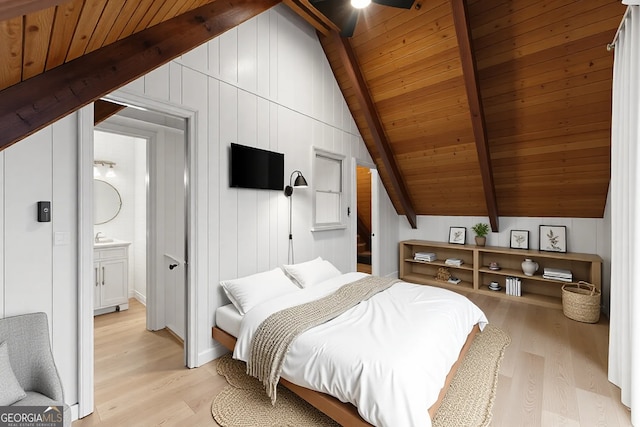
column 475, row 274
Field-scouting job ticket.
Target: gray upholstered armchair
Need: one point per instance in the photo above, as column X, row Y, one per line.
column 25, row 356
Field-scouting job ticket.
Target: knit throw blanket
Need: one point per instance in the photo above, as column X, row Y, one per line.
column 275, row 334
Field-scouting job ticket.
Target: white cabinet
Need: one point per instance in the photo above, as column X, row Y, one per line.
column 111, row 272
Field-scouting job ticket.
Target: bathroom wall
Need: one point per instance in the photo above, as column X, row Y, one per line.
column 129, row 154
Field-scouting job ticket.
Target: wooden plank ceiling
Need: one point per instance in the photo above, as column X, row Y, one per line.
column 56, row 57
column 544, row 82
column 479, row 107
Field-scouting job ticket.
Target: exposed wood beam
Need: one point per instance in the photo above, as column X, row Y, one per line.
column 470, row 72
column 35, row 103
column 12, row 8
column 350, row 62
column 310, row 14
column 102, row 110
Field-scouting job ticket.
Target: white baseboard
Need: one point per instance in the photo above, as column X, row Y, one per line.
column 141, row 298
column 74, row 412
column 212, row 353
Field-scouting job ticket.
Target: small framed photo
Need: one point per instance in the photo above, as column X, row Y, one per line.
column 519, row 239
column 553, row 238
column 457, row 235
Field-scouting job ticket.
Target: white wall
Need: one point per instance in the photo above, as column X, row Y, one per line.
column 129, row 154
column 269, row 85
column 38, row 260
column 388, row 232
column 265, row 83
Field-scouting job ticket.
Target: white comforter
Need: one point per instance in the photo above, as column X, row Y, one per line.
column 389, row 356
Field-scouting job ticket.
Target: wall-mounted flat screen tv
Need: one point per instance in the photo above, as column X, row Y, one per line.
column 256, row 168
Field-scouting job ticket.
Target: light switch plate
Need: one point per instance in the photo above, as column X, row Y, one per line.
column 61, row 238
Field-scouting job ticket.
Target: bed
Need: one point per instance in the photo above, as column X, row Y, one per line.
column 404, row 333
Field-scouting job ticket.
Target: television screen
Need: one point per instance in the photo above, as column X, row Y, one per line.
column 256, row 168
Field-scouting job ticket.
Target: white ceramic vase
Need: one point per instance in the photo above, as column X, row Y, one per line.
column 529, row 267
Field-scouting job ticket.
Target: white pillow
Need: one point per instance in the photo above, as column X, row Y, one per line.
column 10, row 390
column 312, row 272
column 247, row 292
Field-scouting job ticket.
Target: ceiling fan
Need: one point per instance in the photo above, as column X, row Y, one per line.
column 344, row 13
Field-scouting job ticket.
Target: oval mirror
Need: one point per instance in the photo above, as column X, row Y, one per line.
column 106, row 202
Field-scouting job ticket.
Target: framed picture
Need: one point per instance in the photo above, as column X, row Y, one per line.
column 519, row 239
column 457, row 235
column 553, row 238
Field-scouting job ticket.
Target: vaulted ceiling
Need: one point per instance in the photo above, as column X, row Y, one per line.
column 479, row 107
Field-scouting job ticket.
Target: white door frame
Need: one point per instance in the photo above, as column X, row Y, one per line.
column 85, row 238
column 375, row 216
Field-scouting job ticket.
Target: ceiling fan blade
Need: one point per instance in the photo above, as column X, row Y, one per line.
column 350, row 25
column 402, row 4
column 340, row 12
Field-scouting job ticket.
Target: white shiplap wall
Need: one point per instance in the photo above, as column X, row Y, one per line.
column 265, row 83
column 38, row 260
column 269, row 85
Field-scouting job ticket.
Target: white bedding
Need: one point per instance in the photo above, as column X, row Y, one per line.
column 389, row 356
column 228, row 318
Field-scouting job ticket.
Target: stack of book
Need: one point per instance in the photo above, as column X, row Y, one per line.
column 424, row 256
column 514, row 286
column 454, row 262
column 557, row 274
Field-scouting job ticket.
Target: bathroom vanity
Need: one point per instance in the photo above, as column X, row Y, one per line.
column 111, row 273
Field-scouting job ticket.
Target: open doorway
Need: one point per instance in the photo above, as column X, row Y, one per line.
column 166, row 112
column 151, row 150
column 364, row 222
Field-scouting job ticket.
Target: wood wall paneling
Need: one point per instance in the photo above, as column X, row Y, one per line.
column 65, row 21
column 133, row 24
column 91, row 12
column 11, row 50
column 92, row 76
column 363, row 180
column 37, row 28
column 112, row 13
column 14, row 8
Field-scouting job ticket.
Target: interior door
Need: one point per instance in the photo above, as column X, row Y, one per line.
column 168, row 210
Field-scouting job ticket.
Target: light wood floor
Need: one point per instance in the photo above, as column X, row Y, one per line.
column 553, row 373
column 140, row 378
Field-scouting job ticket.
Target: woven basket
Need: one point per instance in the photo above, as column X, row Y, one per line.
column 581, row 302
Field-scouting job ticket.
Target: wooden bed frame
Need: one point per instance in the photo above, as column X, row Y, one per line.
column 346, row 414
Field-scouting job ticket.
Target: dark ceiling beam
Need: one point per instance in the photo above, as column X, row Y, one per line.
column 470, row 73
column 310, row 14
column 350, row 62
column 12, row 8
column 102, row 110
column 41, row 100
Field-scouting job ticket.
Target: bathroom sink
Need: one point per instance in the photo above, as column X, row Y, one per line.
column 104, row 242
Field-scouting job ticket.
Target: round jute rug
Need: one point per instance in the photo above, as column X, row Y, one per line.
column 468, row 402
column 244, row 403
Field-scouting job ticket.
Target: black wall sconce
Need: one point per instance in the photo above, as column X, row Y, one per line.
column 299, row 182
